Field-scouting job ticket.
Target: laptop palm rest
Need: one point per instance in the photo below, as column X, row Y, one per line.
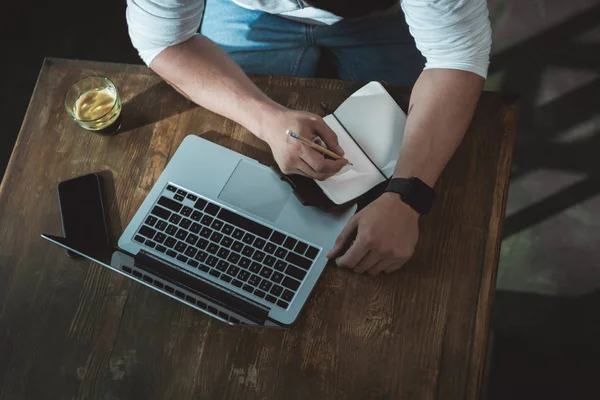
column 257, row 190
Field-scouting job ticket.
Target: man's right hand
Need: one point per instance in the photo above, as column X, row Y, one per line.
column 291, row 155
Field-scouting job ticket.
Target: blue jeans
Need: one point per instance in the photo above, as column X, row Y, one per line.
column 367, row 49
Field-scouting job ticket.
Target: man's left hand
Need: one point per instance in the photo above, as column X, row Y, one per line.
column 385, row 234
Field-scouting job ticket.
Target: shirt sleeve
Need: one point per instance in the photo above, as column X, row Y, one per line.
column 155, row 25
column 453, row 34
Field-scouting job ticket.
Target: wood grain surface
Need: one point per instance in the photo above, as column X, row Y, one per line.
column 70, row 329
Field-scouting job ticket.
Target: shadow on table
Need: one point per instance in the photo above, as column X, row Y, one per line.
column 140, row 110
column 544, row 347
column 236, row 145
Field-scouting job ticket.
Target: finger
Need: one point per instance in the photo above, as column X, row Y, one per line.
column 381, row 266
column 353, row 255
column 395, row 266
column 344, row 239
column 367, row 262
column 320, row 164
column 309, row 172
column 328, row 136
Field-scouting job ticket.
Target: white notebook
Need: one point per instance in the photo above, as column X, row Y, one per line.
column 370, row 128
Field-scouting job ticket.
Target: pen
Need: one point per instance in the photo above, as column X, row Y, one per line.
column 315, row 146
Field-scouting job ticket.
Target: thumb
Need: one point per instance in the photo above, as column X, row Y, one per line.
column 328, row 136
column 343, row 240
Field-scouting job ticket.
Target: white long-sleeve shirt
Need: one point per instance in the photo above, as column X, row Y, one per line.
column 453, row 34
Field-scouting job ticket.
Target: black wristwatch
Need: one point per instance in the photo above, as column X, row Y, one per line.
column 413, row 192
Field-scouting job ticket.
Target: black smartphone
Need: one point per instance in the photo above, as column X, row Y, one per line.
column 82, row 211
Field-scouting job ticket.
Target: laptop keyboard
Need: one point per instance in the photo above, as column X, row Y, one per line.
column 226, row 245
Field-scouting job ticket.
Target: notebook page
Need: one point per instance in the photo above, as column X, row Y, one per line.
column 376, row 122
column 353, row 180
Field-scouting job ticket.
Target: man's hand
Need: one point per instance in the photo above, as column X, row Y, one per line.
column 385, row 234
column 296, row 158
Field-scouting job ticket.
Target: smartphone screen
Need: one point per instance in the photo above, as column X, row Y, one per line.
column 82, row 211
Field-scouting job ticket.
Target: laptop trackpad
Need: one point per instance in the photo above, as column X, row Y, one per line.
column 256, row 190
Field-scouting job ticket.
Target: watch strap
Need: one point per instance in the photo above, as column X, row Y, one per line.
column 414, row 192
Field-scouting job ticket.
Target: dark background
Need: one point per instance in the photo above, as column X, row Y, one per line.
column 546, row 321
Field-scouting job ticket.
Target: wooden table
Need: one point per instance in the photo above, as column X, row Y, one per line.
column 72, row 329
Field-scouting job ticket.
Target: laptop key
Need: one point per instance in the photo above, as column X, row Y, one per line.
column 270, row 261
column 171, row 188
column 170, row 242
column 245, row 223
column 243, row 276
column 200, row 203
column 204, row 268
column 300, row 248
column 237, row 246
column 266, row 272
column 212, row 248
column 201, row 256
column 270, row 248
column 161, row 248
column 207, row 220
column 248, row 238
column 282, row 304
column 180, row 247
column 179, row 197
column 181, row 192
column 244, row 262
column 214, row 272
column 238, row 234
column 186, row 211
column 181, row 234
column 216, row 237
column 280, row 265
column 258, row 255
column 150, row 243
column 278, row 237
column 191, row 239
column 226, row 278
column 161, row 225
column 287, row 295
column 312, row 252
column 195, row 228
column 259, row 293
column 169, row 204
column 190, row 251
column 185, row 223
column 254, row 280
column 255, row 267
column 290, row 243
column 223, row 253
column 290, row 283
column 276, row 291
column 160, row 237
column 175, row 218
column 265, row 285
column 248, row 288
column 270, row 299
column 227, row 229
column 281, row 252
column 216, row 224
column 192, row 197
column 233, row 257
column 147, row 231
column 248, row 251
column 202, row 244
column 222, row 265
column 212, row 261
column 196, row 216
column 233, row 270
column 151, row 220
column 237, row 283
column 205, row 232
column 182, row 258
column 295, row 272
column 226, row 241
column 299, row 261
column 171, row 253
column 277, row 277
column 171, row 230
column 212, row 209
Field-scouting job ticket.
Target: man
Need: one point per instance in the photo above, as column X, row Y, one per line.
column 370, row 40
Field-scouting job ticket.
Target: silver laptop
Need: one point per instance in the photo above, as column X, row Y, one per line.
column 221, row 233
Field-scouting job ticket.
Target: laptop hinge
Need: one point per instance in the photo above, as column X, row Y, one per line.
column 195, row 284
